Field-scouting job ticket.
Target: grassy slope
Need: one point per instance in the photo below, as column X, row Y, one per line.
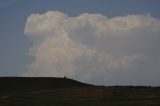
column 67, row 92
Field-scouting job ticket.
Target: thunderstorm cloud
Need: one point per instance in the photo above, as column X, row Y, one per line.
column 95, row 48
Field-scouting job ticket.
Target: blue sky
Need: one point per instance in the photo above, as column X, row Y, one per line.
column 14, row 44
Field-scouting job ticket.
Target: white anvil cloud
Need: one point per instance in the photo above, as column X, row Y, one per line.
column 94, row 48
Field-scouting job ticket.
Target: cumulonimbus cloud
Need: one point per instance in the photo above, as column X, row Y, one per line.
column 95, row 48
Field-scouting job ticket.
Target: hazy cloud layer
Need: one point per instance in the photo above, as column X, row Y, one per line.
column 95, row 48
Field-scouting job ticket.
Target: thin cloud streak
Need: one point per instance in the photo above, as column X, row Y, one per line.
column 5, row 3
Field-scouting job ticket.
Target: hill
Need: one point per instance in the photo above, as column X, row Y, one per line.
column 18, row 84
column 44, row 91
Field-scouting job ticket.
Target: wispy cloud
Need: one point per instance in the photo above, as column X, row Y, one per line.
column 4, row 3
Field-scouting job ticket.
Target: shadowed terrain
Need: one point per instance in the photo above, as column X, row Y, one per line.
column 21, row 84
column 46, row 91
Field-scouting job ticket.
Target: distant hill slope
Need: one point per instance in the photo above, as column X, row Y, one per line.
column 37, row 83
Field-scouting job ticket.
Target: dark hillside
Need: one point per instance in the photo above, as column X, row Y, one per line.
column 45, row 91
column 17, row 84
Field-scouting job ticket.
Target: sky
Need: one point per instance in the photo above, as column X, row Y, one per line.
column 104, row 42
